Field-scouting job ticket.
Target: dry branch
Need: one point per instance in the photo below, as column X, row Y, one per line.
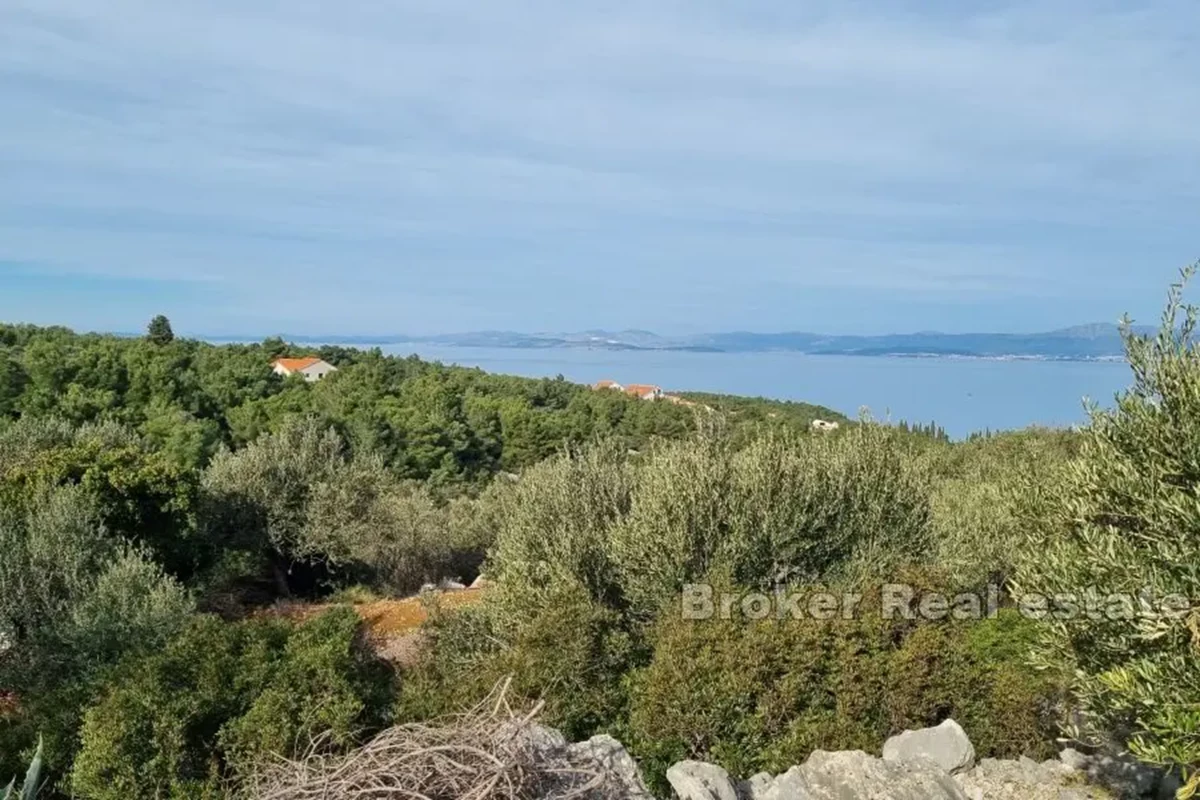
column 490, row 751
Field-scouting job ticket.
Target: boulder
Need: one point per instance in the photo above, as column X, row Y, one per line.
column 1073, row 759
column 1024, row 779
column 695, row 780
column 541, row 737
column 946, row 745
column 850, row 775
column 754, row 786
column 624, row 780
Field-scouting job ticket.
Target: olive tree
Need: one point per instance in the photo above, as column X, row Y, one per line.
column 1122, row 544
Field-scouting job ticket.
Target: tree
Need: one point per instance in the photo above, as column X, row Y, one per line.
column 73, row 602
column 159, row 330
column 1118, row 556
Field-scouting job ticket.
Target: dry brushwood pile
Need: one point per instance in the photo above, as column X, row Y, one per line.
column 488, row 752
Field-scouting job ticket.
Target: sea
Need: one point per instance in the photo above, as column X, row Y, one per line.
column 963, row 395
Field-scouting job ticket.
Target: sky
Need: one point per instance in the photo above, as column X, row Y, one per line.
column 433, row 166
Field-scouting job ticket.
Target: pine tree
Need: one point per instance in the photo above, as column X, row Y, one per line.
column 159, row 330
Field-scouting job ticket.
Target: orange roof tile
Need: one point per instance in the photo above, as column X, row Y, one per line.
column 295, row 364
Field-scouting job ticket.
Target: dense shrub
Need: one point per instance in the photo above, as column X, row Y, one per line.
column 592, row 546
column 221, row 697
column 762, row 695
column 73, row 601
column 783, row 508
column 301, row 497
column 139, row 494
column 987, row 493
column 1127, row 523
column 561, row 647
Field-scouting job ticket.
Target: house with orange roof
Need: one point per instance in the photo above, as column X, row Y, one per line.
column 312, row 368
column 645, row 391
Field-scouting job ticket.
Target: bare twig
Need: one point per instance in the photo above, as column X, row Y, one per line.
column 490, row 752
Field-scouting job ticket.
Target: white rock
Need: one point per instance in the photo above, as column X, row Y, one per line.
column 853, row 774
column 791, row 785
column 614, row 760
column 947, row 745
column 696, row 780
column 1074, row 759
column 754, row 787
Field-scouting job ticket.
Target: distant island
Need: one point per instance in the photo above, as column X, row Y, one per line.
column 1097, row 341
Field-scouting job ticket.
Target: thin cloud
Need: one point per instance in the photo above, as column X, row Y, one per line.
column 662, row 156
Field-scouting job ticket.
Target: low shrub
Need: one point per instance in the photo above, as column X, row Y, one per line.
column 569, row 652
column 221, row 697
column 988, row 493
column 762, row 695
column 784, row 508
column 73, row 602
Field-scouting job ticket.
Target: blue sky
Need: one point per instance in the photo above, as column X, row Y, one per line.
column 425, row 166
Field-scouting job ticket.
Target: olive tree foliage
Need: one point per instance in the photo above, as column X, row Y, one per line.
column 783, row 509
column 302, row 496
column 73, row 600
column 594, row 544
column 264, row 487
column 1127, row 522
column 986, row 491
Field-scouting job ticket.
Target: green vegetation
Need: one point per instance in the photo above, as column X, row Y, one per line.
column 32, row 782
column 1125, row 518
column 773, row 691
column 219, row 698
column 168, row 510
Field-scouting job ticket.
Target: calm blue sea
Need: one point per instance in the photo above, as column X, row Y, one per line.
column 962, row 395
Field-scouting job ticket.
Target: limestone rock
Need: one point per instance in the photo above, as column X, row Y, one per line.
column 695, row 780
column 849, row 775
column 946, row 745
column 611, row 756
column 1025, row 779
column 754, row 787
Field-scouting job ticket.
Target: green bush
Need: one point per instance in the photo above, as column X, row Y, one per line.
column 562, row 648
column 73, row 601
column 593, row 544
column 633, row 531
column 299, row 496
column 220, row 698
column 987, row 493
column 762, row 695
column 1126, row 523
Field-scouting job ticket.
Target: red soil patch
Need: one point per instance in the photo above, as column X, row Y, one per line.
column 390, row 617
column 386, row 618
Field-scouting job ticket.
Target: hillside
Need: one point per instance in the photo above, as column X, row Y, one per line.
column 427, row 421
column 207, row 565
column 1081, row 342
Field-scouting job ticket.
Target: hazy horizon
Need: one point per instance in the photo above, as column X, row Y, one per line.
column 402, row 336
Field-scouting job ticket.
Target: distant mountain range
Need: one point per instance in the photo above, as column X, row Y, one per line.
column 1083, row 342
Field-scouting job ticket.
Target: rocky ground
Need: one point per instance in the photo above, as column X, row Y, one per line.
column 931, row 764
